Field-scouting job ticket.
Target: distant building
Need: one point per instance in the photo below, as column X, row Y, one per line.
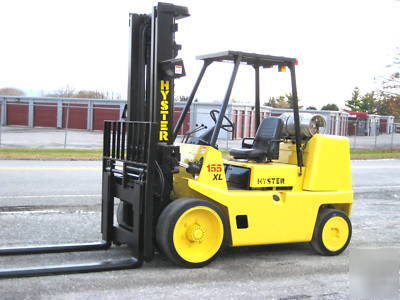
column 90, row 114
column 364, row 124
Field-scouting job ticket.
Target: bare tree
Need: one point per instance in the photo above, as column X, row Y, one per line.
column 389, row 91
column 10, row 91
column 65, row 92
column 70, row 92
column 90, row 94
column 390, row 83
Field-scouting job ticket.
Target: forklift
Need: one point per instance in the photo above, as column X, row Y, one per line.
column 186, row 200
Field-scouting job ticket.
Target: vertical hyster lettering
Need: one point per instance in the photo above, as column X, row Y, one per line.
column 164, row 110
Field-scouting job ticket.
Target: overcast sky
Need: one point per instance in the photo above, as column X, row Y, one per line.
column 46, row 45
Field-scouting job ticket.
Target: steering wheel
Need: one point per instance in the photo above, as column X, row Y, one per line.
column 227, row 127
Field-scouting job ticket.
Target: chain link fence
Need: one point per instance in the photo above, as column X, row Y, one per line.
column 365, row 135
column 70, row 124
column 361, row 134
column 66, row 124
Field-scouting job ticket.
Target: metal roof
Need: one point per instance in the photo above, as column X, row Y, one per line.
column 249, row 58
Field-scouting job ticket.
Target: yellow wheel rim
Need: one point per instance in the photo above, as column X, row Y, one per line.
column 335, row 233
column 198, row 234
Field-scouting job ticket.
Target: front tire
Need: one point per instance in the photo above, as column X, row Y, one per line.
column 332, row 232
column 190, row 232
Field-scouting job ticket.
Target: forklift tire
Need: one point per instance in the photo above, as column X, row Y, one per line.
column 191, row 232
column 332, row 232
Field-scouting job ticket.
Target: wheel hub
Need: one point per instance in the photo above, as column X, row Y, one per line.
column 335, row 233
column 195, row 233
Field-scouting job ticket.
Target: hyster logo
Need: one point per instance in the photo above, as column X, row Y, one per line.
column 164, row 110
column 271, row 180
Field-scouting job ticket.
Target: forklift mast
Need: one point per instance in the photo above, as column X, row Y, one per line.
column 142, row 145
column 153, row 66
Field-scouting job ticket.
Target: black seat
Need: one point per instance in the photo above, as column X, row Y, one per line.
column 265, row 144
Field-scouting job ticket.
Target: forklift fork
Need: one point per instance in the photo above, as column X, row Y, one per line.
column 128, row 158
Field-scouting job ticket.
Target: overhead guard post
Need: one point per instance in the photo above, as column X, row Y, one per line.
column 218, row 125
column 257, row 104
column 296, row 116
column 190, row 100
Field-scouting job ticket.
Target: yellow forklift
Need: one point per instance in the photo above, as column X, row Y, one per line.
column 287, row 184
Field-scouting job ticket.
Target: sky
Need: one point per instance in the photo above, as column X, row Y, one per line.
column 47, row 45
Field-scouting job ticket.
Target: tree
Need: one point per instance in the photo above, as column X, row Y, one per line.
column 90, row 94
column 69, row 92
column 311, row 108
column 330, row 106
column 10, row 91
column 289, row 98
column 369, row 103
column 365, row 103
column 285, row 101
column 354, row 103
column 389, row 106
column 277, row 102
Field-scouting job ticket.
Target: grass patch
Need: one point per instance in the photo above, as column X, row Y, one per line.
column 61, row 154
column 375, row 153
column 96, row 154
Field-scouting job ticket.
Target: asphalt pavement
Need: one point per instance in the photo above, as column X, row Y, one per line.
column 44, row 202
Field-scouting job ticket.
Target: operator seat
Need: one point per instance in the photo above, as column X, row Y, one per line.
column 265, row 144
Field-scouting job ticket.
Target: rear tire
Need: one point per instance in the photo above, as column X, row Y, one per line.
column 191, row 232
column 332, row 232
